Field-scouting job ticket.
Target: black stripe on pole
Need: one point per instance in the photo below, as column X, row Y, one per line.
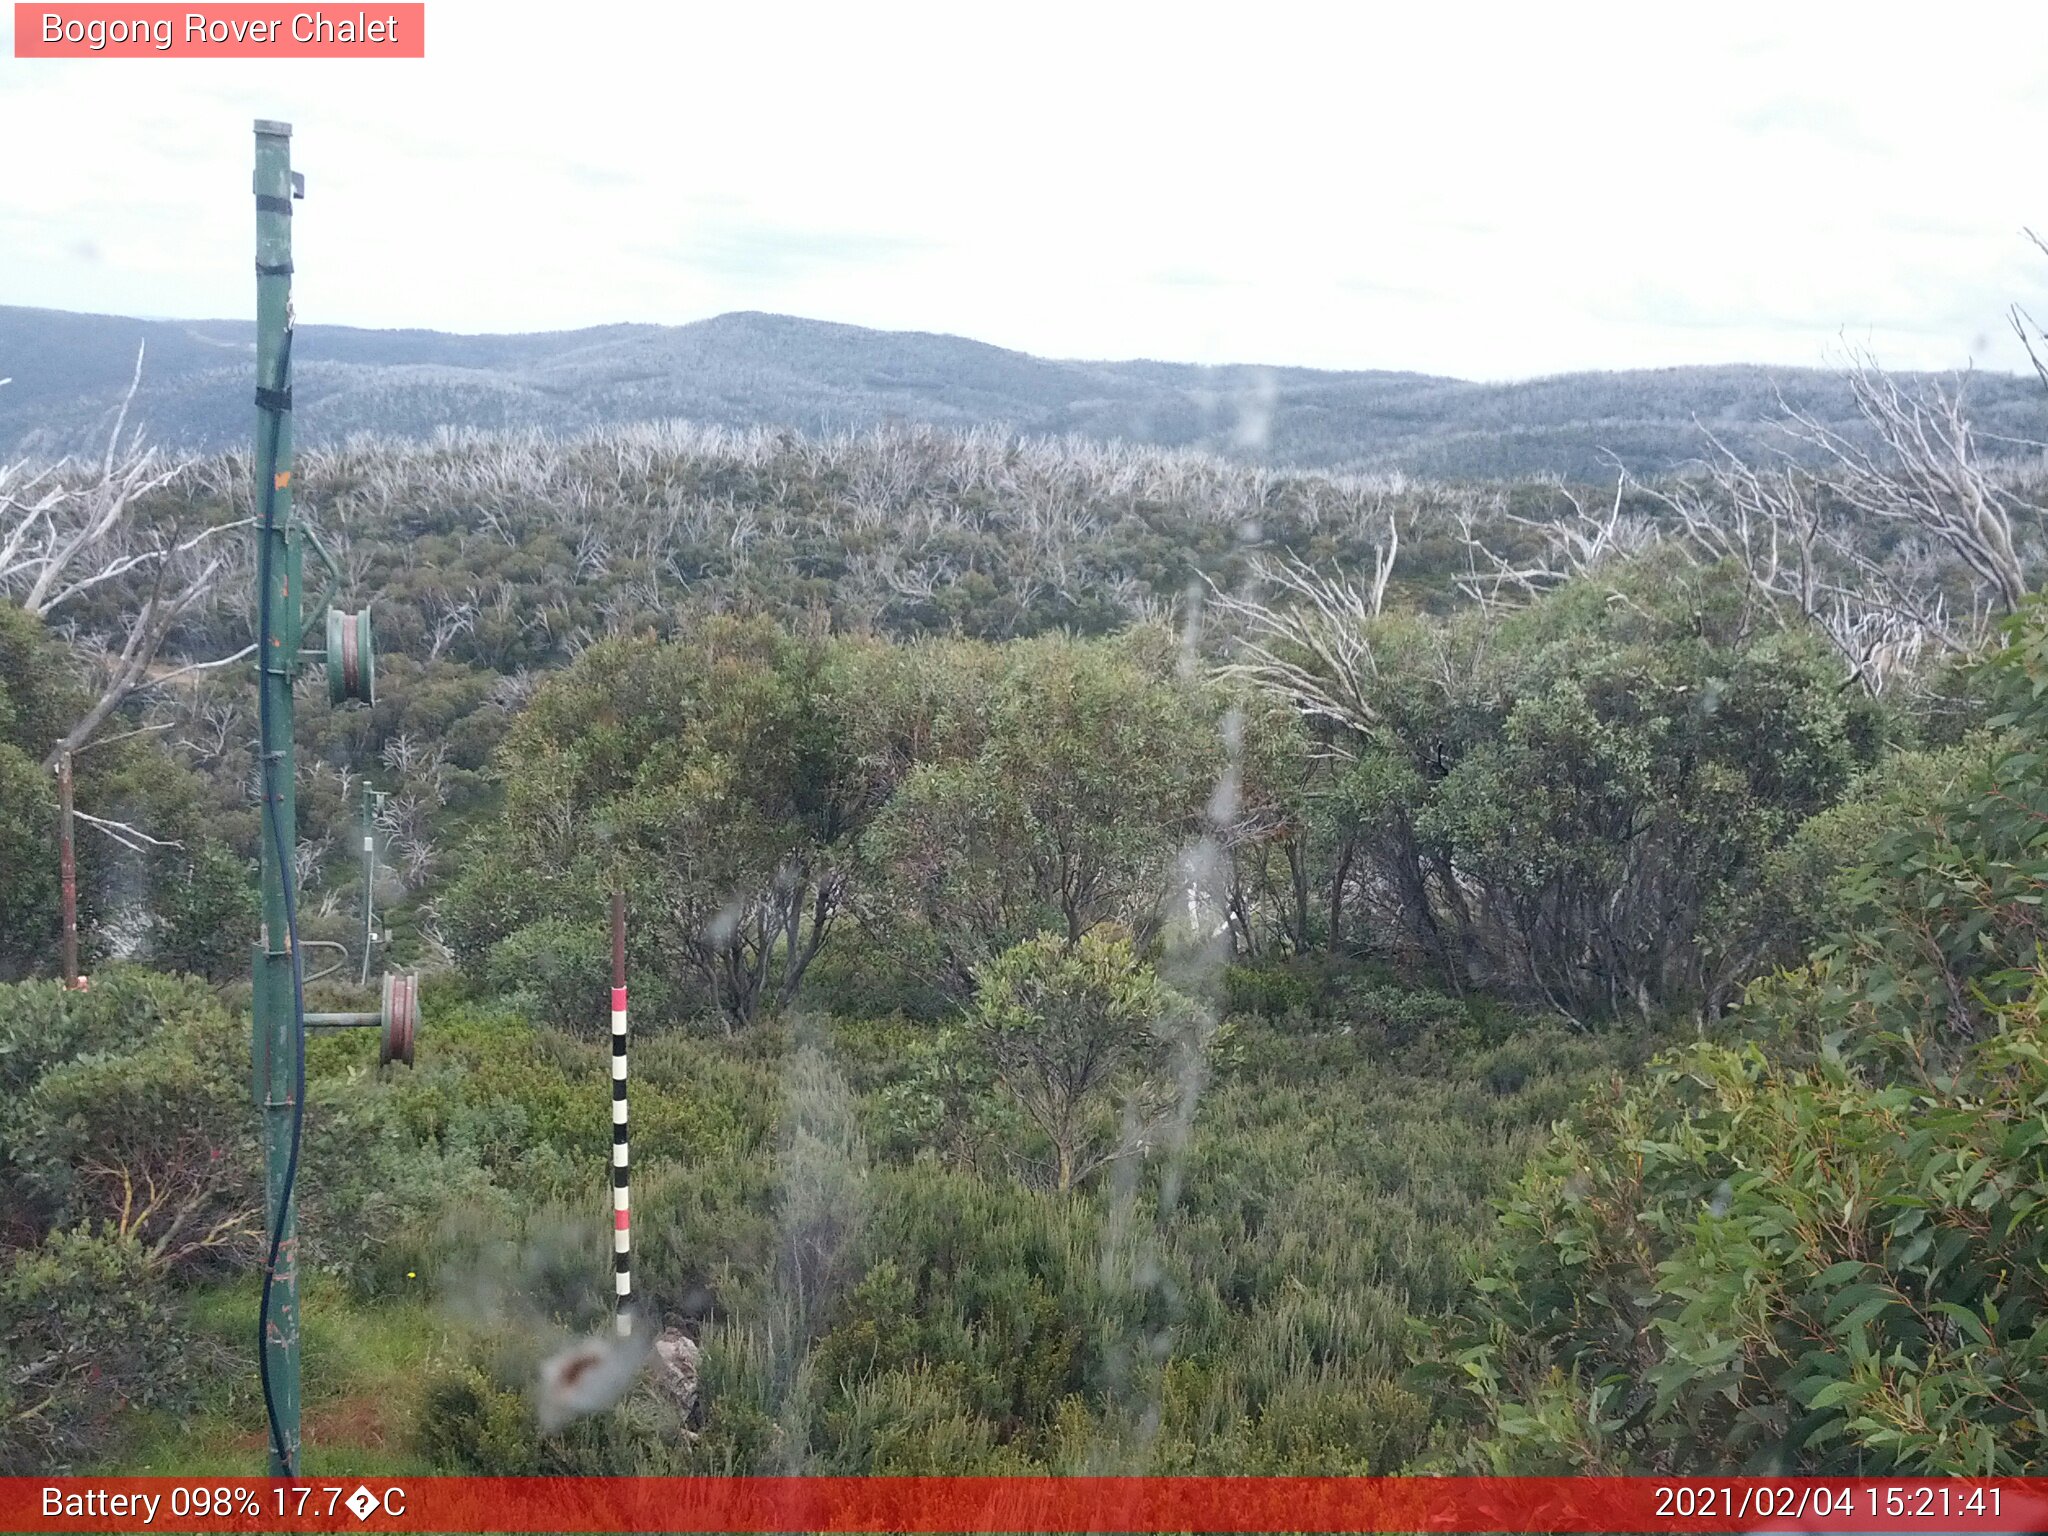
column 622, row 1254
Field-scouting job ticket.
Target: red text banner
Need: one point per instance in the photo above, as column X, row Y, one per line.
column 1063, row 1504
column 114, row 31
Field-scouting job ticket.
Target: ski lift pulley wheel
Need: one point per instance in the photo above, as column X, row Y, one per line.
column 401, row 1018
column 351, row 658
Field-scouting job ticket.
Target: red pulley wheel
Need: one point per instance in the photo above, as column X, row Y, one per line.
column 401, row 1018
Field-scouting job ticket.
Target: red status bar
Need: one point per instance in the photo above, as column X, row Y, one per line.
column 1062, row 1504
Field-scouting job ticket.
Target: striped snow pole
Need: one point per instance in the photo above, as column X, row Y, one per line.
column 622, row 1228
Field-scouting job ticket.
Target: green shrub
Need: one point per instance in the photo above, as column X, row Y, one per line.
column 855, row 977
column 1809, row 888
column 1271, row 991
column 478, row 1418
column 205, row 911
column 42, row 1025
column 466, row 1423
column 136, row 1114
column 908, row 1423
column 1824, row 1256
column 558, row 970
column 1395, row 1017
column 1080, row 1036
column 1814, row 1270
column 87, row 1331
column 28, row 853
column 371, row 1195
column 1325, row 1426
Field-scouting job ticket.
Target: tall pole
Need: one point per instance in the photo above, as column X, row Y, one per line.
column 370, row 797
column 622, row 1215
column 67, row 871
column 277, row 1034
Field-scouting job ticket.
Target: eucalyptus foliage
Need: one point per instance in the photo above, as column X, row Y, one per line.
column 1821, row 1249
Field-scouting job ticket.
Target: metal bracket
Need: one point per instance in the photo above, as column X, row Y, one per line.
column 325, row 944
column 334, row 573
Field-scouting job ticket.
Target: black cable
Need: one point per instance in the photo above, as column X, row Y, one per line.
column 291, row 913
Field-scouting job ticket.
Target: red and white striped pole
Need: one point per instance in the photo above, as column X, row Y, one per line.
column 622, row 1228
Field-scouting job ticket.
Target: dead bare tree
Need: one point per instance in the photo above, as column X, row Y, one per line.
column 1807, row 526
column 69, row 531
column 1926, row 474
column 920, row 582
column 511, row 692
column 210, row 730
column 2028, row 329
column 1783, row 528
column 133, row 838
column 451, row 616
column 1315, row 648
column 1804, row 528
column 70, row 540
column 1572, row 547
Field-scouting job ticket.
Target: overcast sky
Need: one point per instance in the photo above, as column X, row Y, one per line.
column 1492, row 192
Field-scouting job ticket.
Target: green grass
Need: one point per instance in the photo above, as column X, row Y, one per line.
column 363, row 1365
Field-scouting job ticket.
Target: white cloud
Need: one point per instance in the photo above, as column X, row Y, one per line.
column 1484, row 191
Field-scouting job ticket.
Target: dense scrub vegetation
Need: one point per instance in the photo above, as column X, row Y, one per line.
column 182, row 892
column 1108, row 995
column 831, row 1203
column 1819, row 1247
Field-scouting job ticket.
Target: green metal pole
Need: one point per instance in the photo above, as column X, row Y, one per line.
column 275, row 1022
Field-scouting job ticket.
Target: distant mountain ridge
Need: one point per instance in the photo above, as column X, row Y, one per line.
column 743, row 369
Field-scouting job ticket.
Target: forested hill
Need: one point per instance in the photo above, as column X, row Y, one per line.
column 69, row 372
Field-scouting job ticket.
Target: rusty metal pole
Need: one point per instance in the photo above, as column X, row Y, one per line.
column 67, row 871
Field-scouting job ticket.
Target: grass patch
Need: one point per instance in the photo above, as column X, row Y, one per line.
column 362, row 1366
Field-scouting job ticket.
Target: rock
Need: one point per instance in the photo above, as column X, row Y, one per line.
column 675, row 1354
